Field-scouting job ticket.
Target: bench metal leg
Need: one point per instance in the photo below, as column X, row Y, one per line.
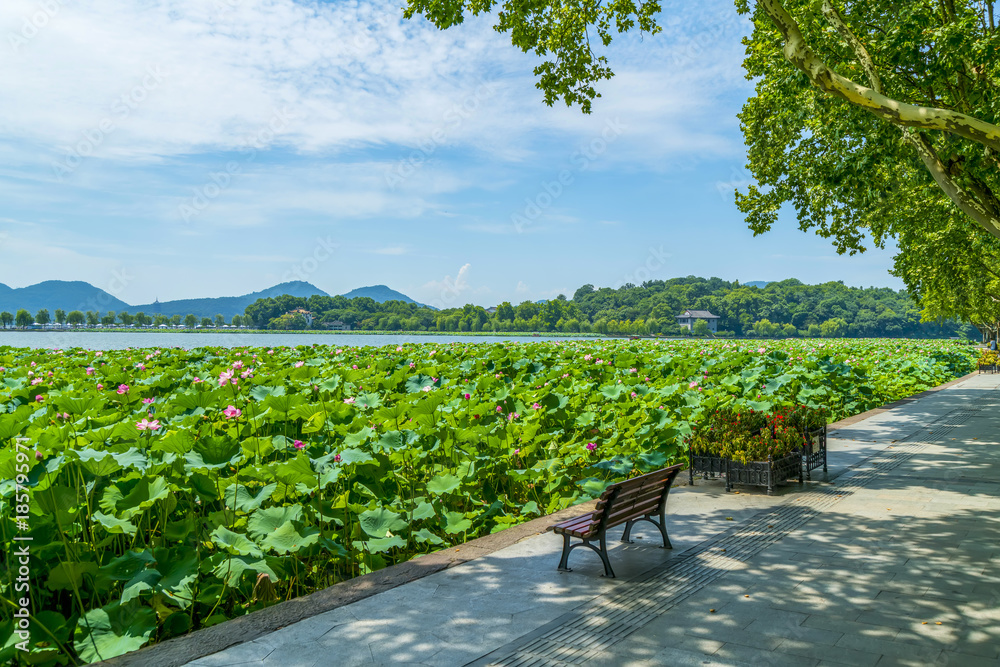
column 661, row 524
column 602, row 552
column 564, row 561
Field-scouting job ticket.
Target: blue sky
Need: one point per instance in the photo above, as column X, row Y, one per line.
column 189, row 148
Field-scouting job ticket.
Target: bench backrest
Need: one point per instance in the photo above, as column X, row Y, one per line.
column 633, row 498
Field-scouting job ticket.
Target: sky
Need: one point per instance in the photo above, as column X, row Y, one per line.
column 199, row 148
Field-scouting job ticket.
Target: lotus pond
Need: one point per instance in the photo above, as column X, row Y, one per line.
column 165, row 490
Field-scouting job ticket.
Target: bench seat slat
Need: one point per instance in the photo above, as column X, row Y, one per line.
column 640, row 495
column 636, row 512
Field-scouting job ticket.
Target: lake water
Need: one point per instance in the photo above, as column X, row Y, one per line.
column 120, row 340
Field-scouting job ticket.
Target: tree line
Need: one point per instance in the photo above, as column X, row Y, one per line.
column 780, row 309
column 24, row 319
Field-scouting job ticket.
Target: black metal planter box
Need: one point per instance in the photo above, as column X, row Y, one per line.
column 814, row 454
column 755, row 473
column 983, row 368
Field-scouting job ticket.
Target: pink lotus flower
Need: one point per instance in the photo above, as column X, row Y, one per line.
column 38, row 456
column 100, row 387
column 587, row 357
column 225, row 377
column 146, row 425
column 693, row 384
column 591, row 446
column 123, row 389
column 762, row 350
column 65, row 415
column 148, row 401
column 298, row 444
column 399, row 349
column 98, row 354
column 516, row 452
column 412, row 365
column 196, row 380
column 39, row 398
column 237, row 365
column 232, row 411
column 426, row 388
column 499, row 408
column 336, row 458
column 536, row 406
column 354, row 366
column 33, row 364
column 36, row 381
column 300, row 364
column 141, row 367
column 349, row 401
column 90, row 370
column 339, row 351
column 467, row 396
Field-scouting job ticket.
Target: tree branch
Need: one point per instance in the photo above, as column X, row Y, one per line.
column 970, row 206
column 899, row 113
column 985, row 211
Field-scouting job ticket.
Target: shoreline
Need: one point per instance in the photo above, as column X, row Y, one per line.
column 353, row 332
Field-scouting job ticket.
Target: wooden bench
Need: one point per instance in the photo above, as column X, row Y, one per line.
column 642, row 498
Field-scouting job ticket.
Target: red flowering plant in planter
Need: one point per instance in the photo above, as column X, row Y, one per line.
column 729, row 439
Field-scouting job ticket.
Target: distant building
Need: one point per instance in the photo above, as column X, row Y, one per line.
column 306, row 315
column 689, row 317
column 492, row 310
column 337, row 325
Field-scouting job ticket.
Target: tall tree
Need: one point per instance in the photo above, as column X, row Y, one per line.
column 75, row 317
column 6, row 318
column 190, row 320
column 60, row 316
column 43, row 317
column 864, row 111
column 23, row 318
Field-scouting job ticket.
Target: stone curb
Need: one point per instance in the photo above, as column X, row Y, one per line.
column 201, row 643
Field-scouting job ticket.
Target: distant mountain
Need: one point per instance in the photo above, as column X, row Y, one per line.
column 756, row 283
column 227, row 306
column 78, row 295
column 379, row 294
column 53, row 294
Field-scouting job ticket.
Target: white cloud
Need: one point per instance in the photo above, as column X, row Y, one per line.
column 395, row 250
column 522, row 287
column 447, row 292
column 349, row 74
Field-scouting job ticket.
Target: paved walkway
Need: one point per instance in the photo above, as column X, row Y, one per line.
column 893, row 560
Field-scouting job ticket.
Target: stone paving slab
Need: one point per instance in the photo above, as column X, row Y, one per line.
column 892, row 558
